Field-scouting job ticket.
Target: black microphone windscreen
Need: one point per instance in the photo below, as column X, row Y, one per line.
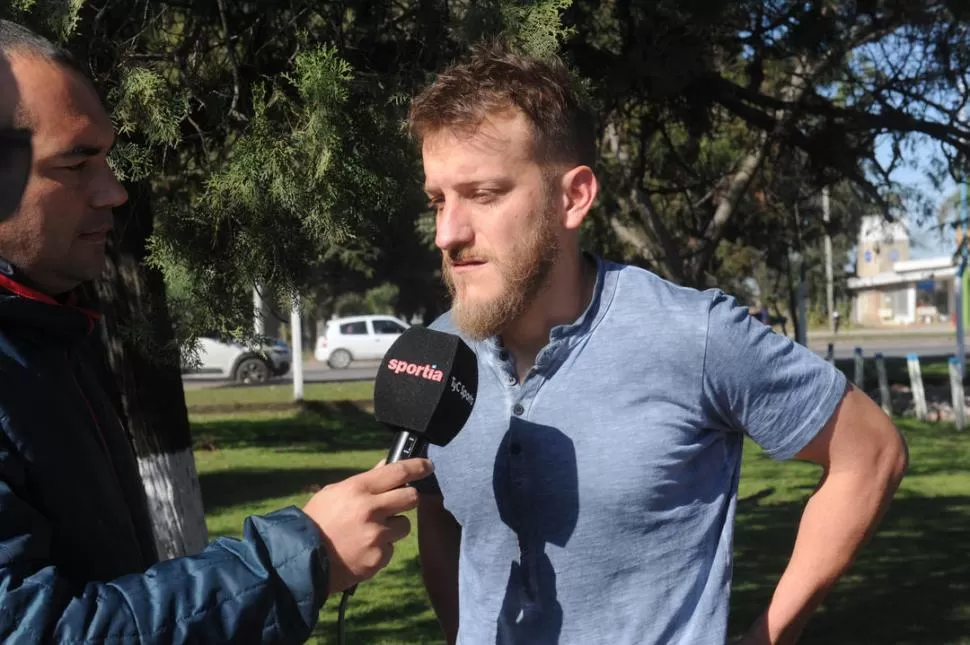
column 427, row 384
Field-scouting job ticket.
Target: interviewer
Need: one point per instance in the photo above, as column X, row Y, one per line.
column 77, row 556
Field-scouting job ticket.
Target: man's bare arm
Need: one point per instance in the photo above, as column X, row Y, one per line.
column 439, row 538
column 864, row 458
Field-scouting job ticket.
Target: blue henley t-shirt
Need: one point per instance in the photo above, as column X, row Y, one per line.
column 597, row 497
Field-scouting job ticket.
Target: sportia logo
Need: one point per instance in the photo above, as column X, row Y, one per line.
column 429, row 372
column 459, row 387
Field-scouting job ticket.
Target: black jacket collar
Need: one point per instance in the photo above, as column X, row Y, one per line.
column 24, row 306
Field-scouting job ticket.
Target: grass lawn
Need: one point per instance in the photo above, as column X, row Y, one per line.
column 280, row 393
column 911, row 585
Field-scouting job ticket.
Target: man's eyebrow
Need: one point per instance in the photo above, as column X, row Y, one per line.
column 498, row 182
column 84, row 150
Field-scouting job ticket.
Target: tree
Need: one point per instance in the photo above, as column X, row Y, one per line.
column 698, row 98
column 262, row 144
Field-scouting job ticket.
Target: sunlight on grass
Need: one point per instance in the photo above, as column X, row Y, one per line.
column 910, row 585
column 279, row 393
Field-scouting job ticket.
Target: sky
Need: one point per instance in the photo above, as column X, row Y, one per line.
column 925, row 242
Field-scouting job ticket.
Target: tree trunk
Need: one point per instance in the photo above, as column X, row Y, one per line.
column 793, row 299
column 145, row 381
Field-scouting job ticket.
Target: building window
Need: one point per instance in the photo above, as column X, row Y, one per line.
column 896, row 302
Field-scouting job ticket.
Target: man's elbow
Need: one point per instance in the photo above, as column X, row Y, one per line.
column 892, row 458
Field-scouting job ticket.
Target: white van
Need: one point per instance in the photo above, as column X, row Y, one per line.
column 357, row 338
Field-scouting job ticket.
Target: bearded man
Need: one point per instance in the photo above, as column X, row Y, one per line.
column 591, row 496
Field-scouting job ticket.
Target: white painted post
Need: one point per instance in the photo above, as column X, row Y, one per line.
column 829, row 294
column 956, row 388
column 296, row 346
column 259, row 328
column 916, row 385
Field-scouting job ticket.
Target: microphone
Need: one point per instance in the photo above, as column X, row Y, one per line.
column 425, row 390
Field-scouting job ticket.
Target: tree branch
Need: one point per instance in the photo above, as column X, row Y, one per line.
column 233, row 63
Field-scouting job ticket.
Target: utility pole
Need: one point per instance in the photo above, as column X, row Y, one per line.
column 801, row 328
column 959, row 284
column 296, row 326
column 258, row 327
column 959, row 281
column 829, row 291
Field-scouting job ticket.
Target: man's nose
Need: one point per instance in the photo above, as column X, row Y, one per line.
column 108, row 193
column 452, row 227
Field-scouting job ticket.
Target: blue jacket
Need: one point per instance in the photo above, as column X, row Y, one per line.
column 77, row 557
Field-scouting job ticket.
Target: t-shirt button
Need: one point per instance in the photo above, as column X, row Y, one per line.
column 512, row 380
column 518, row 410
column 504, row 355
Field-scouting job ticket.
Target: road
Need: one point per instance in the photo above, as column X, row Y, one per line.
column 890, row 347
column 897, row 347
column 313, row 372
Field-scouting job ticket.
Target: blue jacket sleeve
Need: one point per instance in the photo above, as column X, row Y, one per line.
column 266, row 588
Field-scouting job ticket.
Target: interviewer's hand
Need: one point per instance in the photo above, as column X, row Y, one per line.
column 360, row 521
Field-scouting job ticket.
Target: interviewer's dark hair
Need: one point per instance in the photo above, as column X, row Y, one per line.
column 17, row 40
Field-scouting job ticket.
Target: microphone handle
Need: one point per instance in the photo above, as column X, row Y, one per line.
column 406, row 445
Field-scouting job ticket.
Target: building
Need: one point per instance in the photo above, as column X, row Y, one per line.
column 890, row 288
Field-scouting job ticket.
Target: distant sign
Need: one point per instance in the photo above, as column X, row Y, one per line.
column 868, row 256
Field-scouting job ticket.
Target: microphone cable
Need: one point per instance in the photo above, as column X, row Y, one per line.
column 341, row 624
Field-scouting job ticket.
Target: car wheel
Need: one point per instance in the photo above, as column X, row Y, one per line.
column 340, row 359
column 252, row 370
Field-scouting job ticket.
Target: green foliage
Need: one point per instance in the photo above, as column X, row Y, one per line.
column 131, row 162
column 537, row 26
column 56, row 18
column 287, row 194
column 144, row 103
column 351, row 304
column 272, row 135
column 379, row 300
column 382, row 299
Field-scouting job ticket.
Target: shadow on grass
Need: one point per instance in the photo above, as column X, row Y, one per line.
column 226, row 488
column 910, row 585
column 401, row 614
column 319, row 426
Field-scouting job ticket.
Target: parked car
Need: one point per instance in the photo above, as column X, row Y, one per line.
column 241, row 363
column 357, row 338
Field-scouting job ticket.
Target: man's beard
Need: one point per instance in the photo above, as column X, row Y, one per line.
column 523, row 274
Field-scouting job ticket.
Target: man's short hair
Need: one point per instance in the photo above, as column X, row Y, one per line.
column 496, row 78
column 17, row 40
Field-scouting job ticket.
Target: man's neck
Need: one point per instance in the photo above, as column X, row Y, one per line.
column 19, row 276
column 565, row 297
